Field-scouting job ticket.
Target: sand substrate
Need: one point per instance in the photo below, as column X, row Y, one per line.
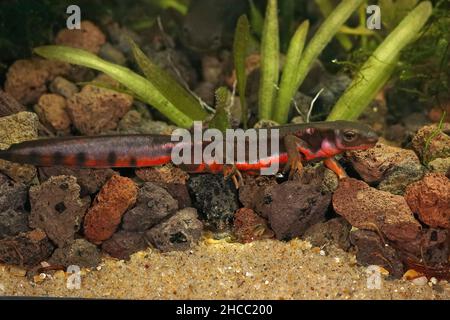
column 260, row 270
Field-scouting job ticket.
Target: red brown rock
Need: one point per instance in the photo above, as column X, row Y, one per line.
column 105, row 215
column 248, row 226
column 368, row 208
column 250, row 194
column 95, row 110
column 374, row 164
column 437, row 147
column 372, row 251
column 89, row 37
column 430, row 199
column 27, row 80
column 51, row 110
column 26, row 249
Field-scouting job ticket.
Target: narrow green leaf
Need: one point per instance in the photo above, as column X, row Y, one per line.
column 134, row 82
column 270, row 55
column 289, row 74
column 322, row 37
column 326, row 7
column 168, row 86
column 377, row 70
column 256, row 19
column 221, row 119
column 241, row 41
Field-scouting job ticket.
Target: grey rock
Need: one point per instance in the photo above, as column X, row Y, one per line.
column 12, row 223
column 372, row 251
column 215, row 199
column 179, row 232
column 81, row 253
column 57, row 209
column 63, row 87
column 13, row 195
column 123, row 244
column 153, row 205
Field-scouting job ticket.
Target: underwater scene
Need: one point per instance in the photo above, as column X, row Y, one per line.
column 225, row 150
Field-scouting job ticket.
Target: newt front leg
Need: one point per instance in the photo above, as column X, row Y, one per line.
column 294, row 163
column 333, row 165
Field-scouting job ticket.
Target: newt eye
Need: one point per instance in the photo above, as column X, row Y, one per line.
column 349, row 136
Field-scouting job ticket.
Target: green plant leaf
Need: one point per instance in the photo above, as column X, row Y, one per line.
column 270, row 56
column 289, row 74
column 394, row 11
column 320, row 40
column 168, row 86
column 256, row 19
column 134, row 82
column 221, row 119
column 377, row 70
column 241, row 42
column 326, row 7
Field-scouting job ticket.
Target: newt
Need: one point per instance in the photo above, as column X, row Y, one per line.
column 209, row 24
column 299, row 143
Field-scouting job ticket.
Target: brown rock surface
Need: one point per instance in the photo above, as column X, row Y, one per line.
column 19, row 127
column 26, row 249
column 248, row 226
column 26, row 80
column 89, row 37
column 123, row 244
column 430, row 199
column 431, row 143
column 57, row 209
column 95, row 110
column 51, row 110
column 105, row 215
column 90, row 180
column 374, row 164
column 368, row 208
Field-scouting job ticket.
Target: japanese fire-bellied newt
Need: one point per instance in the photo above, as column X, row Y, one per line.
column 297, row 143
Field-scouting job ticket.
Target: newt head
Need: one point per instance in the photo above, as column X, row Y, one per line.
column 354, row 136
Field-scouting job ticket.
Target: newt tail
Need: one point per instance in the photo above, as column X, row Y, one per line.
column 298, row 143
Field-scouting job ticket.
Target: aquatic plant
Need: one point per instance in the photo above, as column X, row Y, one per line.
column 221, row 119
column 274, row 101
column 270, row 56
column 159, row 89
column 377, row 70
column 241, row 41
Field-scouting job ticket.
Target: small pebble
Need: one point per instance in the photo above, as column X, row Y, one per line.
column 421, row 281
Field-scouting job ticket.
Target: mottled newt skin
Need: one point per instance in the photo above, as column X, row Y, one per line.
column 298, row 143
column 209, row 24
